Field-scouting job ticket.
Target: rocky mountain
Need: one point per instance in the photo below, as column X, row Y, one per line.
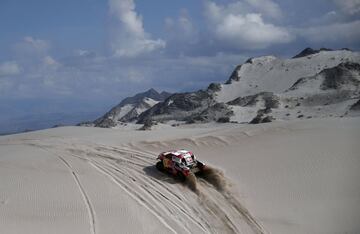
column 315, row 83
column 272, row 74
column 331, row 92
column 312, row 84
column 179, row 107
column 129, row 109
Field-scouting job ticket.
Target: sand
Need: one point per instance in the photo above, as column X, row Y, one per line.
column 281, row 177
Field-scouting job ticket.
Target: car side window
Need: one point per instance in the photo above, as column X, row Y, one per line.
column 176, row 159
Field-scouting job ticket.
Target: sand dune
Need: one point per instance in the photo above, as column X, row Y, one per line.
column 284, row 177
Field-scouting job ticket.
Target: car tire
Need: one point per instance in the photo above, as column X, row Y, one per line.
column 160, row 166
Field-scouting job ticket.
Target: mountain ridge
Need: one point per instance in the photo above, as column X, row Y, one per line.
column 313, row 83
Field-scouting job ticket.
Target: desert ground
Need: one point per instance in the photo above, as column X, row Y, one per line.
column 283, row 177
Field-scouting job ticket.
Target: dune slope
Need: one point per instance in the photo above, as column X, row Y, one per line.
column 284, row 177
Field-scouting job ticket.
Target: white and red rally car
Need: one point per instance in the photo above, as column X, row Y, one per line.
column 180, row 163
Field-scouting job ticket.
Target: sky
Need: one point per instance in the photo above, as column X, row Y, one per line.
column 86, row 55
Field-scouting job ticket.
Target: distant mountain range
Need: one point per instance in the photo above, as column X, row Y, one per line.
column 312, row 84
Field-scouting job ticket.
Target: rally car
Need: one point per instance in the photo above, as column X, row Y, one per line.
column 180, row 163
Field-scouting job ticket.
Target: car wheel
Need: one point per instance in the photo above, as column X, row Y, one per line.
column 160, row 166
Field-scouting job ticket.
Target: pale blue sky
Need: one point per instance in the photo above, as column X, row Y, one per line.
column 89, row 54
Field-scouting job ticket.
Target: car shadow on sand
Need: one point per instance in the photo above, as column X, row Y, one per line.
column 189, row 182
column 153, row 172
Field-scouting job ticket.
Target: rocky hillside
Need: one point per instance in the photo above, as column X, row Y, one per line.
column 312, row 84
column 129, row 109
column 199, row 106
column 272, row 74
column 331, row 92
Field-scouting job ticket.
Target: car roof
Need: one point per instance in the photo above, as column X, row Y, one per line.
column 179, row 153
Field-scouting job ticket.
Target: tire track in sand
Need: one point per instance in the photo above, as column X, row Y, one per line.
column 209, row 205
column 134, row 183
column 86, row 199
column 131, row 193
column 117, row 162
column 217, row 179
